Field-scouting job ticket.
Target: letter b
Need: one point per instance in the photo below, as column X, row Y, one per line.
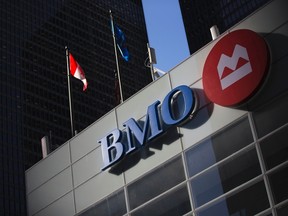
column 112, row 148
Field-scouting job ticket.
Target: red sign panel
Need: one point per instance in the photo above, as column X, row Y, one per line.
column 235, row 68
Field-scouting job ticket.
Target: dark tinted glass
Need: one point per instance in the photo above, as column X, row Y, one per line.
column 271, row 116
column 198, row 16
column 275, row 148
column 33, row 77
column 282, row 210
column 155, row 183
column 174, row 203
column 113, row 205
column 250, row 201
column 219, row 146
column 225, row 177
column 278, row 182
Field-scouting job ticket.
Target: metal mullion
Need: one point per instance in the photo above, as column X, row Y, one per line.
column 187, row 179
column 262, row 164
column 126, row 195
column 278, row 167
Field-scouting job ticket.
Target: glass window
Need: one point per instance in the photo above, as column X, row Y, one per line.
column 275, row 149
column 278, row 181
column 174, row 203
column 249, row 201
column 155, row 183
column 271, row 116
column 219, row 146
column 113, row 205
column 282, row 210
column 225, row 177
column 267, row 214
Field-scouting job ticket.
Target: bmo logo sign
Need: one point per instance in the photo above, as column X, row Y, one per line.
column 235, row 68
column 160, row 116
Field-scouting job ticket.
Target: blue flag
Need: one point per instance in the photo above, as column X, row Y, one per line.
column 121, row 43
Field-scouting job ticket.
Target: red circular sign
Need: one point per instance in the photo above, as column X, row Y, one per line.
column 235, row 68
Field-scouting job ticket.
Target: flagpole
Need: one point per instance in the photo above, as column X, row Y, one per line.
column 116, row 57
column 69, row 91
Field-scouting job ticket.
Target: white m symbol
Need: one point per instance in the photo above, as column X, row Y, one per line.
column 231, row 63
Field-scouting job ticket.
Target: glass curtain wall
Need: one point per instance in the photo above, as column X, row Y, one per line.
column 240, row 170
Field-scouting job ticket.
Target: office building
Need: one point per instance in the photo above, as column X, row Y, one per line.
column 200, row 15
column 34, row 94
column 185, row 150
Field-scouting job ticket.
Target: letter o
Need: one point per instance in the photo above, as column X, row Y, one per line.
column 189, row 104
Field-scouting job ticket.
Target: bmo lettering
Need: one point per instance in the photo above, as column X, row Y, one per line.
column 156, row 123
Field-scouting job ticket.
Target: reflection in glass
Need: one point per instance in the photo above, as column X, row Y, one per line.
column 249, row 201
column 219, row 146
column 113, row 205
column 271, row 116
column 282, row 210
column 155, row 183
column 278, row 182
column 172, row 204
column 275, row 149
column 225, row 177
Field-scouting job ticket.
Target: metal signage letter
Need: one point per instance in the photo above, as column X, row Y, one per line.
column 189, row 105
column 112, row 148
column 152, row 120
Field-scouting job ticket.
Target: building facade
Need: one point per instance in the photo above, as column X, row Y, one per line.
column 199, row 16
column 34, row 94
column 220, row 160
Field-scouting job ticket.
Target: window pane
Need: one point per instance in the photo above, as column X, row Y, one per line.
column 155, row 183
column 225, row 177
column 271, row 116
column 174, row 203
column 275, row 149
column 278, row 181
column 282, row 210
column 114, row 205
column 219, row 146
column 250, row 201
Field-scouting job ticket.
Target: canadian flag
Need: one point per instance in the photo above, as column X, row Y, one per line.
column 77, row 71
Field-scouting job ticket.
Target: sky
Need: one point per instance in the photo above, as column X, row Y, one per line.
column 166, row 32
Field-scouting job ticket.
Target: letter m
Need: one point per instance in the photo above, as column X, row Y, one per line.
column 231, row 63
column 141, row 134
